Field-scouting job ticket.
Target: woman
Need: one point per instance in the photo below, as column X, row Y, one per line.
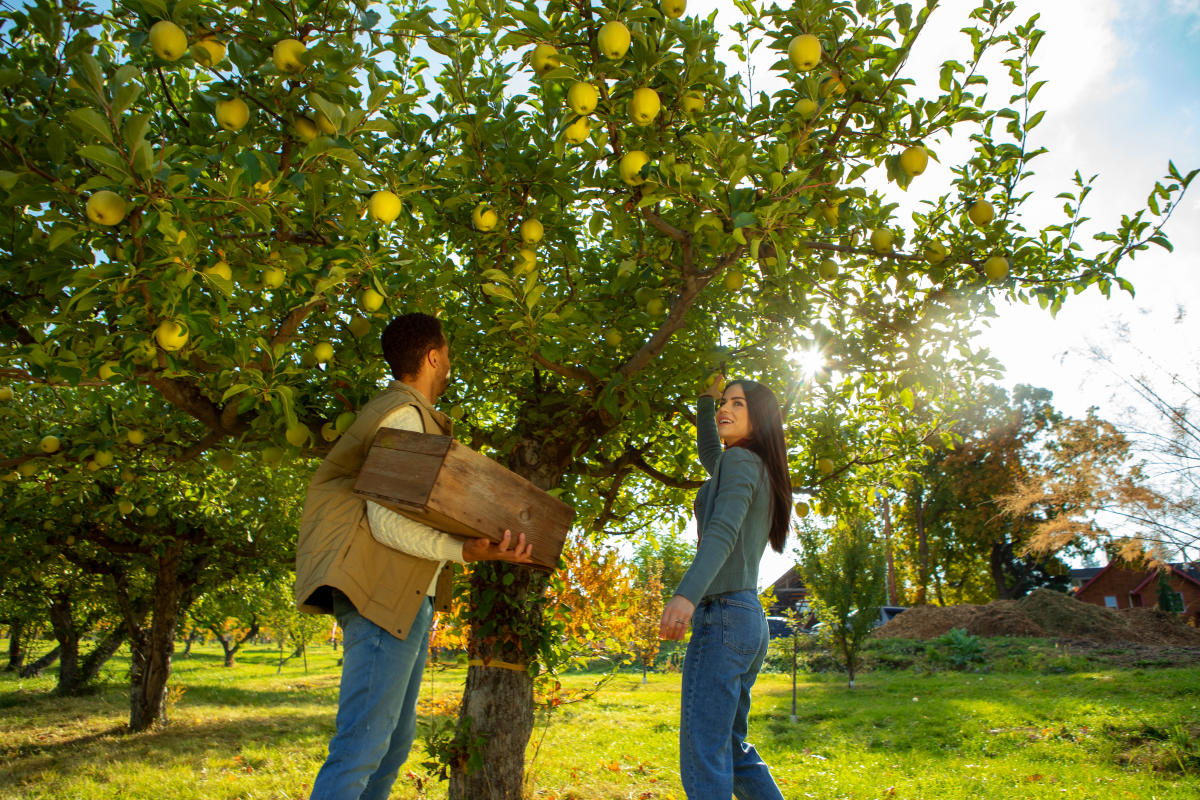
column 745, row 504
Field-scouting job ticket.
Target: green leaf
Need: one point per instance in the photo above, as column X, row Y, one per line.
column 90, row 121
column 61, row 235
column 106, row 156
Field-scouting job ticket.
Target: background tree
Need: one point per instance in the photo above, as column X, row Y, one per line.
column 845, row 573
column 1087, row 470
column 234, row 244
column 954, row 535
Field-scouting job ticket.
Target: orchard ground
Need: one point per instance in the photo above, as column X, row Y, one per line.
column 1037, row 720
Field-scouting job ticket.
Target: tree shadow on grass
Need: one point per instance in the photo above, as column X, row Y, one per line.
column 187, row 744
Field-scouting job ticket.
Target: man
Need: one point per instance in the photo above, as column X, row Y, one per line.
column 379, row 572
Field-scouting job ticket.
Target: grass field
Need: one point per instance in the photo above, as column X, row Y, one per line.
column 1066, row 730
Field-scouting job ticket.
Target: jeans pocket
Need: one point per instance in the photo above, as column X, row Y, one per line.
column 742, row 627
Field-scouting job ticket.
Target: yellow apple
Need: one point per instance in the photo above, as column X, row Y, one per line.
column 532, row 231
column 107, row 370
column 613, row 40
column 831, row 84
column 273, row 277
column 804, row 51
column 49, row 444
column 297, row 435
column 271, row 455
column 106, row 208
column 384, row 206
column 305, row 128
column 881, row 240
column 325, row 124
column 582, row 98
column 168, row 40
column 484, row 217
column 344, row 421
column 208, row 52
column 612, row 337
column 644, row 106
column 526, row 261
column 674, row 9
column 322, row 352
column 630, row 167
column 691, row 102
column 655, row 307
column 934, row 252
column 170, row 335
column 359, row 326
column 288, row 55
column 830, row 212
column 219, row 270
column 150, row 510
column 6, row 394
column 577, row 132
column 328, row 432
column 102, row 458
column 370, row 300
column 981, row 212
column 996, row 268
column 29, row 468
column 827, row 269
column 734, row 280
column 125, row 507
column 914, row 160
column 135, row 436
column 802, row 509
column 544, row 59
column 806, row 107
column 825, row 466
column 233, row 114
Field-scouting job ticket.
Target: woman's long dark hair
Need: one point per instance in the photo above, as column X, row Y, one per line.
column 767, row 442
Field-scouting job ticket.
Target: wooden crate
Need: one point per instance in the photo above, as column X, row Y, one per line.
column 448, row 486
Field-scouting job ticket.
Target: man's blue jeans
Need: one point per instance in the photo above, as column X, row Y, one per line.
column 377, row 705
column 728, row 645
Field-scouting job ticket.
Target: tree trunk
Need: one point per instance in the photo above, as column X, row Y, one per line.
column 16, row 647
column 922, row 549
column 187, row 646
column 152, row 647
column 35, row 668
column 892, row 594
column 998, row 559
column 231, row 645
column 90, row 666
column 66, row 633
column 496, row 717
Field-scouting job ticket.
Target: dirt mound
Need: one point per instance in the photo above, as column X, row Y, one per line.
column 1064, row 617
column 1160, row 627
column 930, row 622
column 1046, row 614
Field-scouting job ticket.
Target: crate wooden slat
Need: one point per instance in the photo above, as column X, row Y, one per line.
column 450, row 487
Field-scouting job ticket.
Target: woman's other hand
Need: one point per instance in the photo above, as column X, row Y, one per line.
column 676, row 617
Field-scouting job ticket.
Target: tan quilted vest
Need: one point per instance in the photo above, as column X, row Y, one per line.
column 336, row 550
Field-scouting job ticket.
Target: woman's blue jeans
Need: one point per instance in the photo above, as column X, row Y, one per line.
column 727, row 648
column 377, row 705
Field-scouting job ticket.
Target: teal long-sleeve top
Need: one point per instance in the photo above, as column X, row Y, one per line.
column 733, row 515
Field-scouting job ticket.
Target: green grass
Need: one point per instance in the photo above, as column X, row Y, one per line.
column 250, row 733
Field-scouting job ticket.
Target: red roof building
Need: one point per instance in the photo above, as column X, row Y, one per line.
column 1123, row 586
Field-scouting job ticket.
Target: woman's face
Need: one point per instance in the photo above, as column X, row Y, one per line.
column 733, row 415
